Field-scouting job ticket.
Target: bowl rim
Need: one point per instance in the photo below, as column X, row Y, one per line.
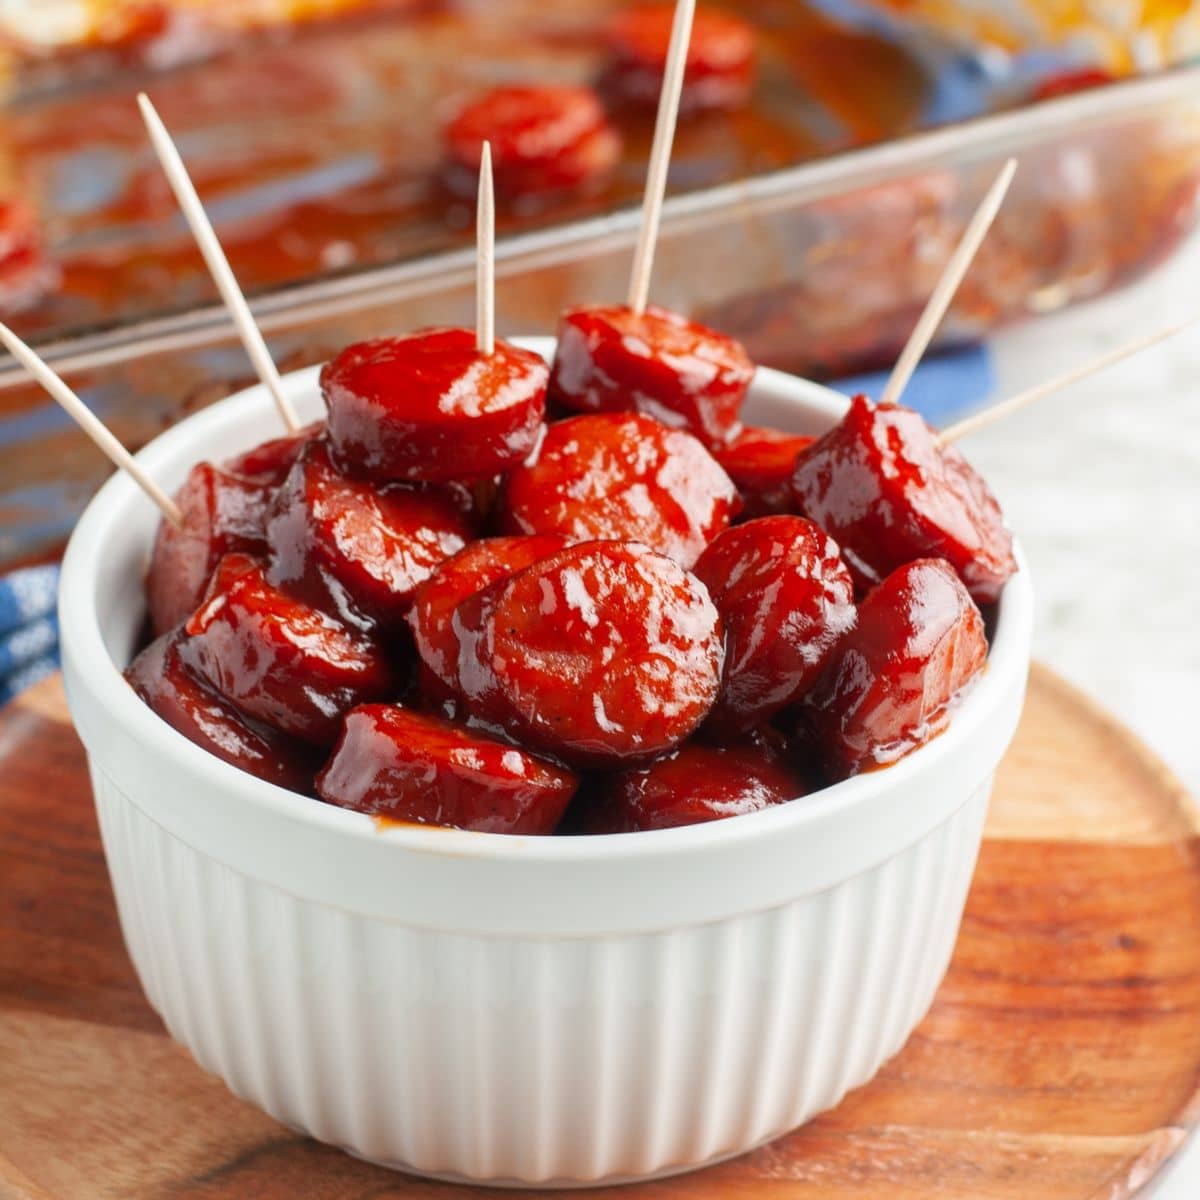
column 85, row 651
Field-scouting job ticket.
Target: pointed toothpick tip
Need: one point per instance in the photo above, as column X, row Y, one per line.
column 947, row 285
column 91, row 425
column 216, row 260
column 660, row 155
column 485, row 256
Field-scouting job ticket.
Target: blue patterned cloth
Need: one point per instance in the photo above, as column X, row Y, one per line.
column 944, row 386
column 28, row 628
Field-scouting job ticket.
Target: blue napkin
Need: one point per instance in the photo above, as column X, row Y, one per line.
column 943, row 387
column 28, row 628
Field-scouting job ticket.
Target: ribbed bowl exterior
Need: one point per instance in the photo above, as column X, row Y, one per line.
column 537, row 1060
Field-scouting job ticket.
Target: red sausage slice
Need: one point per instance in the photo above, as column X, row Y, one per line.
column 410, row 766
column 203, row 717
column 624, row 477
column 610, row 359
column 544, row 139
column 26, row 271
column 269, row 462
column 468, row 572
column 720, row 61
column 761, row 461
column 880, row 485
column 603, row 653
column 355, row 549
column 918, row 644
column 786, row 600
column 222, row 514
column 278, row 660
column 429, row 407
column 697, row 783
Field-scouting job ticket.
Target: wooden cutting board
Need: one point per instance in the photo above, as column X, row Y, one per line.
column 1061, row 1059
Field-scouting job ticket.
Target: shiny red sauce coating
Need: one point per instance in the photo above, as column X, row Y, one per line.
column 429, row 407
column 545, row 138
column 277, row 659
column 760, row 461
column 611, row 359
column 269, row 462
column 603, row 653
column 883, row 489
column 471, row 570
column 918, row 644
column 209, row 720
column 787, row 600
column 356, row 549
column 621, row 477
column 720, row 60
column 698, row 783
column 411, row 766
column 222, row 514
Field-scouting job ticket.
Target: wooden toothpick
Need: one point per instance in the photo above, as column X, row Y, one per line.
column 947, row 285
column 218, row 264
column 485, row 257
column 90, row 424
column 660, row 155
column 981, row 419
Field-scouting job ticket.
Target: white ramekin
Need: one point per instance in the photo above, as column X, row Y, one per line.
column 509, row 1009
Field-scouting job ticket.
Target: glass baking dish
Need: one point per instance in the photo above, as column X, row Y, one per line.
column 819, row 268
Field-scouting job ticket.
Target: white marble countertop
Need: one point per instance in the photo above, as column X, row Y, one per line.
column 1102, row 485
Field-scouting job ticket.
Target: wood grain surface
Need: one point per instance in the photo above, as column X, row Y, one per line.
column 1061, row 1058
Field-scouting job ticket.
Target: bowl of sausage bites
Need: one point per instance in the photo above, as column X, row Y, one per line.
column 562, row 765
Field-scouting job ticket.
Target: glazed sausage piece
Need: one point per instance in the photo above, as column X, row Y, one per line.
column 270, row 461
column 357, row 550
column 604, row 653
column 409, row 766
column 431, row 616
column 919, row 643
column 621, row 477
column 760, row 461
column 203, row 717
column 719, row 73
column 429, row 407
column 222, row 514
column 880, row 485
column 611, row 359
column 786, row 600
column 277, row 659
column 545, row 139
column 697, row 783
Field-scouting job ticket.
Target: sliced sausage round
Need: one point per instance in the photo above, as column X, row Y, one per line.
column 880, row 485
column 602, row 653
column 918, row 644
column 430, row 407
column 622, row 477
column 204, row 717
column 611, row 359
column 545, row 139
column 270, row 461
column 697, row 783
column 355, row 549
column 222, row 514
column 760, row 461
column 719, row 72
column 469, row 571
column 277, row 659
column 408, row 766
column 786, row 600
